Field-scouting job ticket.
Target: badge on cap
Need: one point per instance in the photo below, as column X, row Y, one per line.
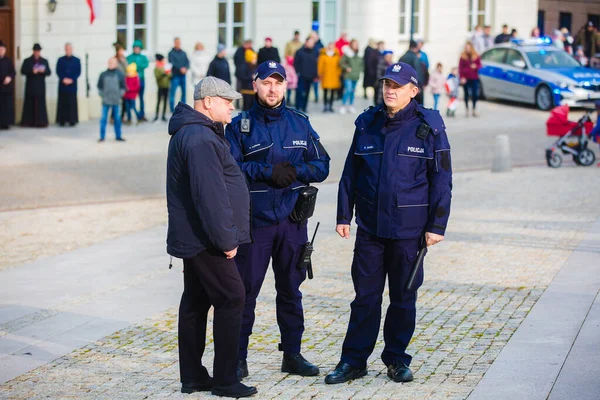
column 272, row 64
column 396, row 68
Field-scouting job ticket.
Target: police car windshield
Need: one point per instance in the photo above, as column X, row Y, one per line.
column 544, row 59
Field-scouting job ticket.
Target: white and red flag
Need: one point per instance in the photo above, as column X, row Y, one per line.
column 94, row 9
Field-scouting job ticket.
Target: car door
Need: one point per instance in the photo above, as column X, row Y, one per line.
column 516, row 85
column 490, row 74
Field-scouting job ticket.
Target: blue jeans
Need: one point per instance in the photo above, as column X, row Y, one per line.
column 471, row 90
column 288, row 98
column 315, row 86
column 176, row 81
column 115, row 112
column 130, row 105
column 436, row 99
column 141, row 95
column 349, row 88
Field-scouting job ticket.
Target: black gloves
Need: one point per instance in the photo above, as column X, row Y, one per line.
column 283, row 175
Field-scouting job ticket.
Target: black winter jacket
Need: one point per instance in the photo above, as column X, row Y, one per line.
column 207, row 195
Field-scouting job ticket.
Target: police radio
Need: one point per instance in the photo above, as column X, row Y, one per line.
column 307, row 250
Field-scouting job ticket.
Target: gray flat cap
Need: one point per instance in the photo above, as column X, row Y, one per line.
column 215, row 87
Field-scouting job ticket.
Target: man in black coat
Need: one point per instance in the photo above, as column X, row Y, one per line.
column 219, row 66
column 305, row 63
column 370, row 60
column 268, row 53
column 209, row 217
column 68, row 69
column 7, row 79
column 411, row 57
column 36, row 69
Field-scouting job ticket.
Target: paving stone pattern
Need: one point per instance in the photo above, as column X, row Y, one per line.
column 509, row 235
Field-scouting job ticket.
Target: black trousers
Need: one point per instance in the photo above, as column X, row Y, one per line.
column 162, row 96
column 328, row 95
column 210, row 279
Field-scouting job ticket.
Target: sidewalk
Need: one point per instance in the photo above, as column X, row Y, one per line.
column 509, row 236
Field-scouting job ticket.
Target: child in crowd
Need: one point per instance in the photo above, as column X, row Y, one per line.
column 437, row 84
column 292, row 79
column 162, row 72
column 132, row 83
column 452, row 85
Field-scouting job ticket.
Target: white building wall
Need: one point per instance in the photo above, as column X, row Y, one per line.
column 446, row 32
column 279, row 20
column 518, row 14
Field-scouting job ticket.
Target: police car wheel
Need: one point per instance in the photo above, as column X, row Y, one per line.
column 543, row 98
column 554, row 160
column 586, row 157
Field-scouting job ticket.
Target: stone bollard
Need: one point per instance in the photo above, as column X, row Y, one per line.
column 502, row 161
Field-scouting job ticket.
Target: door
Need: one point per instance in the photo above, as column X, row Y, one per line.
column 541, row 21
column 7, row 31
column 490, row 75
column 515, row 75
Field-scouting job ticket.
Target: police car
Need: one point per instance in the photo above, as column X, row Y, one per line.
column 537, row 73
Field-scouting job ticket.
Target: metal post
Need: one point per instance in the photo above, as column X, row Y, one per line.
column 87, row 76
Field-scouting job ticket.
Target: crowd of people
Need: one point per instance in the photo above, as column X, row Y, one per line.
column 333, row 69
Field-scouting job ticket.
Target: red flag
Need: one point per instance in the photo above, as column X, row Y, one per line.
column 94, row 9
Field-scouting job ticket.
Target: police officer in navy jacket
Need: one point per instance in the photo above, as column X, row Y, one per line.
column 280, row 153
column 398, row 178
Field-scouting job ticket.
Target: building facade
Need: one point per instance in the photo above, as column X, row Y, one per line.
column 444, row 25
column 570, row 14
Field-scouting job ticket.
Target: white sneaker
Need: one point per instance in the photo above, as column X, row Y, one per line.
column 343, row 110
column 352, row 110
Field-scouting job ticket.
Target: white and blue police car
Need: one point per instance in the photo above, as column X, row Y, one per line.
column 537, row 73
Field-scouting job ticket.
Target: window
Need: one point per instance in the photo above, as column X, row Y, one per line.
column 595, row 18
column 232, row 22
column 478, row 14
column 494, row 55
column 514, row 56
column 133, row 22
column 564, row 20
column 325, row 15
column 417, row 14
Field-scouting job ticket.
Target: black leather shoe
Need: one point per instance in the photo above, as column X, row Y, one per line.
column 193, row 387
column 343, row 373
column 236, row 390
column 295, row 364
column 242, row 369
column 399, row 372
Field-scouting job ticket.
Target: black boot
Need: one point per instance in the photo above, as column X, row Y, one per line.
column 295, row 364
column 343, row 373
column 399, row 372
column 192, row 387
column 242, row 369
column 236, row 390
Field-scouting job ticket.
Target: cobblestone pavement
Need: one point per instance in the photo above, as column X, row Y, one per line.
column 509, row 234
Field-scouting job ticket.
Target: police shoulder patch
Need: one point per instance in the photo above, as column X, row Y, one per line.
column 300, row 113
column 433, row 119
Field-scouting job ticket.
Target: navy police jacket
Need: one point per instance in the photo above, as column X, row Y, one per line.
column 275, row 136
column 399, row 183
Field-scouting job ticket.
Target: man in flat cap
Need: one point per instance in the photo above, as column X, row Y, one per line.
column 209, row 217
column 36, row 69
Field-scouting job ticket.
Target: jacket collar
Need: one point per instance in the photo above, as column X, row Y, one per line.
column 268, row 114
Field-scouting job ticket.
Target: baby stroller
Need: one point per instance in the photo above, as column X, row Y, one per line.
column 574, row 138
